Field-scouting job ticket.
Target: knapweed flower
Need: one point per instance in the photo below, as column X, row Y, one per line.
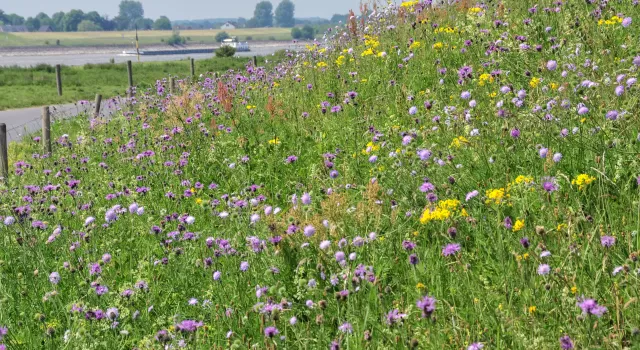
column 427, row 305
column 607, row 241
column 271, row 332
column 552, row 65
column 188, row 326
column 450, row 249
column 543, row 269
column 244, row 266
column 471, row 195
column 591, row 307
column 566, row 343
column 475, row 346
column 54, row 278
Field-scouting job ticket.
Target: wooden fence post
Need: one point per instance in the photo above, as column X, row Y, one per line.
column 96, row 112
column 255, row 61
column 59, row 79
column 193, row 68
column 4, row 159
column 130, row 75
column 46, row 129
column 172, row 85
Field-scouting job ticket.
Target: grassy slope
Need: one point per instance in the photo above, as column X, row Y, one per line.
column 27, row 87
column 496, row 290
column 126, row 38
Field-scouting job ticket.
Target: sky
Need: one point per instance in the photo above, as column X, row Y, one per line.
column 179, row 9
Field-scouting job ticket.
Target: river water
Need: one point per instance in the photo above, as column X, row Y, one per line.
column 81, row 58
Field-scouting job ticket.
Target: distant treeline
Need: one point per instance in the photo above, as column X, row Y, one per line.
column 130, row 16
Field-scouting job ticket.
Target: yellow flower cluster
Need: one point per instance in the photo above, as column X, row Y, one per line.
column 459, row 142
column 415, row 45
column 371, row 41
column 444, row 210
column 484, row 78
column 340, row 60
column 251, row 107
column 447, row 30
column 613, row 21
column 275, row 141
column 475, row 10
column 534, row 82
column 524, row 179
column 437, row 46
column 371, row 147
column 409, row 3
column 496, row 195
column 518, row 225
column 367, row 52
column 322, row 64
column 582, row 181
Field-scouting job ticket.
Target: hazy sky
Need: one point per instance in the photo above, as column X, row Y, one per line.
column 178, row 9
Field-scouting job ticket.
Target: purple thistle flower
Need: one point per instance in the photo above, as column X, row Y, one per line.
column 552, row 65
column 413, row 259
column 271, row 332
column 626, row 22
column 566, row 343
column 475, row 346
column 543, row 269
column 244, row 266
column 450, row 249
column 607, row 241
column 188, row 326
column 591, row 307
column 427, row 305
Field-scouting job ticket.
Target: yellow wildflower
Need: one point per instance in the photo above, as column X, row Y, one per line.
column 321, row 64
column 199, row 201
column 534, row 82
column 409, row 3
column 475, row 10
column 574, row 290
column 340, row 60
column 524, row 179
column 415, row 45
column 367, row 52
column 484, row 78
column 532, row 309
column 518, row 225
column 459, row 142
column 275, row 141
column 437, row 46
column 495, row 195
column 420, row 285
column 582, row 181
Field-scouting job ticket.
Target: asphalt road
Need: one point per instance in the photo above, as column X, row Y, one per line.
column 21, row 122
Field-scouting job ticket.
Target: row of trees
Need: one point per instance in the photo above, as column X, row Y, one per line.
column 131, row 15
column 263, row 15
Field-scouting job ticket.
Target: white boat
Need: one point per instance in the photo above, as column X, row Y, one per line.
column 239, row 46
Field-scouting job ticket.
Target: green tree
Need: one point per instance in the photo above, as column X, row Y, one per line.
column 89, row 26
column 71, row 20
column 130, row 12
column 263, row 14
column 44, row 19
column 296, row 33
column 144, row 23
column 336, row 18
column 284, row 14
column 308, row 32
column 221, row 36
column 14, row 19
column 33, row 24
column 162, row 23
column 57, row 21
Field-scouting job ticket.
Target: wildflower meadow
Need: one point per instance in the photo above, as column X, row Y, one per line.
column 459, row 176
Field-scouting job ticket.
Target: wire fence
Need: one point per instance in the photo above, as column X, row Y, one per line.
column 30, row 120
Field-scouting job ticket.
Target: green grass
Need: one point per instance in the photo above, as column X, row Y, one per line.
column 79, row 39
column 433, row 156
column 27, row 87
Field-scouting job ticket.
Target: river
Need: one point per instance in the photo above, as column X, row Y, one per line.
column 78, row 56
